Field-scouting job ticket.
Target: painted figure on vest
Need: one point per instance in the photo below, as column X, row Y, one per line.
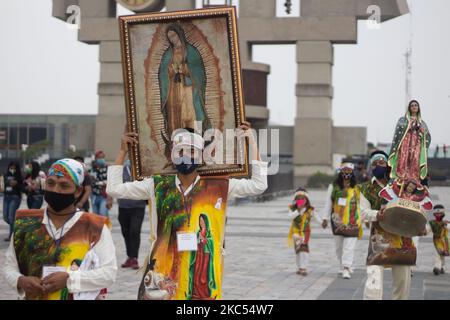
column 187, row 219
column 201, row 265
column 301, row 212
column 64, row 239
column 180, row 213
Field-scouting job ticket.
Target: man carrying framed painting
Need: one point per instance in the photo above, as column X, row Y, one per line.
column 187, row 217
column 182, row 70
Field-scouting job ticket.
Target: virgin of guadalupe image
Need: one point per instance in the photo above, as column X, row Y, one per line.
column 182, row 80
column 408, row 161
column 409, row 151
column 201, row 264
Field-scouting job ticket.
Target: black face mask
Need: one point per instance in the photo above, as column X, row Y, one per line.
column 379, row 172
column 59, row 201
column 187, row 165
column 347, row 176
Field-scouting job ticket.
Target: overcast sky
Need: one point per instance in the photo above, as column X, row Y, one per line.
column 44, row 69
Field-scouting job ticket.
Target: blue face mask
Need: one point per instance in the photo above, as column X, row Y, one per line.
column 186, row 165
column 379, row 172
column 101, row 162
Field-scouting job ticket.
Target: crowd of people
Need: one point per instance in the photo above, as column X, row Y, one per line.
column 15, row 183
column 444, row 151
column 93, row 198
column 397, row 182
column 74, row 256
column 348, row 206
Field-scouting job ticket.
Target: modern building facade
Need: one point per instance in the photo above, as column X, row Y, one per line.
column 54, row 135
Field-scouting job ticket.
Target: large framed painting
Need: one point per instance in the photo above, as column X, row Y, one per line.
column 182, row 70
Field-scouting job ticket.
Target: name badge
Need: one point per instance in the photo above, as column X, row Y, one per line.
column 218, row 205
column 48, row 270
column 9, row 189
column 342, row 202
column 187, row 241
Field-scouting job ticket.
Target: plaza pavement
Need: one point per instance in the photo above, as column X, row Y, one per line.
column 259, row 265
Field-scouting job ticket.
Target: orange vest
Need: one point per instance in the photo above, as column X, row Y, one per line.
column 35, row 248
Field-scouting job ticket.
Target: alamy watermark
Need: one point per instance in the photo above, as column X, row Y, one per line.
column 74, row 18
column 374, row 18
column 224, row 148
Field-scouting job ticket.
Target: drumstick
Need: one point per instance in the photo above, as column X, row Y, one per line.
column 401, row 190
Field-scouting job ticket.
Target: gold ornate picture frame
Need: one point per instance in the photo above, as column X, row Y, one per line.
column 179, row 67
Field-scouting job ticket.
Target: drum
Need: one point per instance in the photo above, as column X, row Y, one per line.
column 404, row 217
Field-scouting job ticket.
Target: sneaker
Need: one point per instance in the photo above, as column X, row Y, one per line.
column 134, row 264
column 127, row 264
column 346, row 274
column 303, row 272
column 442, row 271
column 436, row 271
column 349, row 270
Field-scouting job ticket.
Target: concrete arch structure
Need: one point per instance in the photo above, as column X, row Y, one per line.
column 322, row 24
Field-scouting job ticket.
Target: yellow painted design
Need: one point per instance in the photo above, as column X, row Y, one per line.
column 77, row 250
column 305, row 220
column 165, row 258
column 353, row 195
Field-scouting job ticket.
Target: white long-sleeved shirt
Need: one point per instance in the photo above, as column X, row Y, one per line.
column 294, row 214
column 78, row 281
column 326, row 213
column 145, row 189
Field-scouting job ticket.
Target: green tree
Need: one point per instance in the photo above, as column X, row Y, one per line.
column 319, row 180
column 35, row 149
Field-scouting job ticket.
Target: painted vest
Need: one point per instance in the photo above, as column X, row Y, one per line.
column 35, row 248
column 440, row 237
column 346, row 218
column 301, row 226
column 185, row 275
column 385, row 248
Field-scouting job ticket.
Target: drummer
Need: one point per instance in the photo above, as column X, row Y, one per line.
column 411, row 190
column 386, row 250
